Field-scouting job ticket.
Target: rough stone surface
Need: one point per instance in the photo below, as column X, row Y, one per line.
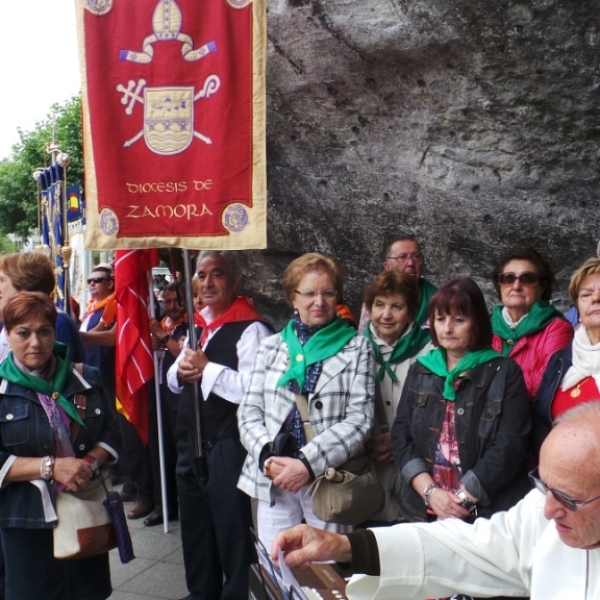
column 473, row 124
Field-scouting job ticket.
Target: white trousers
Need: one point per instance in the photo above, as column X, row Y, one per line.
column 289, row 509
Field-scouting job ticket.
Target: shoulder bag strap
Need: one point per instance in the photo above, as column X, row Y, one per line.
column 80, row 405
column 302, row 405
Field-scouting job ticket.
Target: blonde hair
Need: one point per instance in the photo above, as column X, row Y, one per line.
column 590, row 267
column 313, row 261
column 29, row 271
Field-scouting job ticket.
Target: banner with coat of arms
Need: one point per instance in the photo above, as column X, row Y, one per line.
column 173, row 95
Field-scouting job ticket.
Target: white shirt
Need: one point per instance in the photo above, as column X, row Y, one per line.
column 222, row 380
column 515, row 553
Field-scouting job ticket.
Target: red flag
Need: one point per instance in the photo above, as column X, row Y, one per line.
column 134, row 363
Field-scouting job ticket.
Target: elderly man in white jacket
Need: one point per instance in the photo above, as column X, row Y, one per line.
column 547, row 546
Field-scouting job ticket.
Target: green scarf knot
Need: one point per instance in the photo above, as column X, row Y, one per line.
column 539, row 316
column 54, row 389
column 435, row 361
column 322, row 345
column 405, row 347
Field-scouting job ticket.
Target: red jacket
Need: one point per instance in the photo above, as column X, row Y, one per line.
column 532, row 352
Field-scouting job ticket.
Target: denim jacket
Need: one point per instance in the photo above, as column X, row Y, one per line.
column 492, row 419
column 25, row 431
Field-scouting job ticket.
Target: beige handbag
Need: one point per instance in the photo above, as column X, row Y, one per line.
column 349, row 494
column 84, row 527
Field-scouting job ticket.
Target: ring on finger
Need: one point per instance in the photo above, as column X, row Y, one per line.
column 80, row 482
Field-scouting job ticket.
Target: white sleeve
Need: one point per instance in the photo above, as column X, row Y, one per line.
column 226, row 382
column 492, row 557
column 172, row 380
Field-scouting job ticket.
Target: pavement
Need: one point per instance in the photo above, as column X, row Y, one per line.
column 157, row 572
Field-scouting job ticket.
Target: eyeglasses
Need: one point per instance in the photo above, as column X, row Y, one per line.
column 560, row 497
column 526, row 278
column 327, row 294
column 402, row 258
column 97, row 280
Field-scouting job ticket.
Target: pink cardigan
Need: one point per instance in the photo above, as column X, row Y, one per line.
column 532, row 352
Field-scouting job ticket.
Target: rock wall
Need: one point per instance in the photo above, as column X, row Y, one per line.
column 473, row 124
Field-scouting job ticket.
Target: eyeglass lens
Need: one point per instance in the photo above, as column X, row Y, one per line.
column 526, row 278
column 327, row 294
column 96, row 280
column 416, row 256
column 562, row 499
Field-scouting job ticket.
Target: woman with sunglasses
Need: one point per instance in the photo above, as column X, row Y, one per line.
column 573, row 373
column 526, row 327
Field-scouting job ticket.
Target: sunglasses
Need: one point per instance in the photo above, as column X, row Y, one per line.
column 97, row 280
column 526, row 278
column 560, row 497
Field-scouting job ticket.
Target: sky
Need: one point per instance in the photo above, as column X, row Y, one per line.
column 39, row 63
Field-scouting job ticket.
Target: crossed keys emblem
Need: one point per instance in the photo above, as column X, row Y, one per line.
column 168, row 114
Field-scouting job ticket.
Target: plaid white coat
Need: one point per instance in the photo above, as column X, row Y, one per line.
column 340, row 410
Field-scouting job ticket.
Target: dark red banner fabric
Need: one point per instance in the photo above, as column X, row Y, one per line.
column 174, row 122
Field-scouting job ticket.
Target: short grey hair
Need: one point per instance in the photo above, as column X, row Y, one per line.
column 228, row 255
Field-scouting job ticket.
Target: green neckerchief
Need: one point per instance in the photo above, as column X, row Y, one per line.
column 539, row 315
column 405, row 347
column 53, row 389
column 324, row 343
column 426, row 290
column 435, row 361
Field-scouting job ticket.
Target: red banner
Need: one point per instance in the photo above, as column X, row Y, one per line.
column 134, row 362
column 174, row 122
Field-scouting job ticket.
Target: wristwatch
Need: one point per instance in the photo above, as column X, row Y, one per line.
column 94, row 465
column 466, row 502
column 427, row 493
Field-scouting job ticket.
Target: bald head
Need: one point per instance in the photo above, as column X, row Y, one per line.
column 570, row 464
column 575, row 439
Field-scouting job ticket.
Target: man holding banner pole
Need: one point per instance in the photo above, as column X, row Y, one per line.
column 215, row 516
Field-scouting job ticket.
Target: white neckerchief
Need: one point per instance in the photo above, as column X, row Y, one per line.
column 586, row 361
column 508, row 318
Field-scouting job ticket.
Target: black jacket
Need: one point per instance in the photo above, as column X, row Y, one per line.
column 492, row 418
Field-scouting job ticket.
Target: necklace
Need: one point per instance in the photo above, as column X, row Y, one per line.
column 575, row 393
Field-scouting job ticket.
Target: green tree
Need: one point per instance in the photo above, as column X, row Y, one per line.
column 18, row 189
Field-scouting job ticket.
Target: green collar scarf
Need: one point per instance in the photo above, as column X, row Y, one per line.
column 426, row 291
column 435, row 361
column 53, row 389
column 323, row 344
column 538, row 317
column 405, row 347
